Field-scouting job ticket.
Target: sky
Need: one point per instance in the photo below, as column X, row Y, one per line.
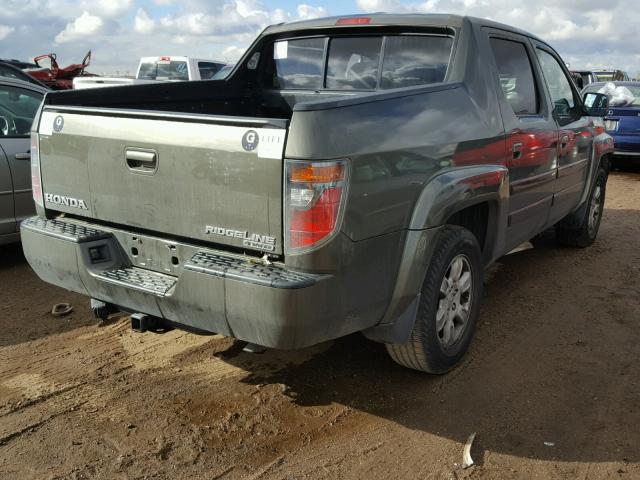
column 589, row 34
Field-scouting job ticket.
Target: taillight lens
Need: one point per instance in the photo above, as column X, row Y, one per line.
column 314, row 202
column 36, row 181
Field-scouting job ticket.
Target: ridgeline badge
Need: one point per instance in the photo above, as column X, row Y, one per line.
column 266, row 243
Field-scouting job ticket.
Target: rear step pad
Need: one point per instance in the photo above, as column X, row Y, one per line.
column 65, row 230
column 139, row 279
column 244, row 270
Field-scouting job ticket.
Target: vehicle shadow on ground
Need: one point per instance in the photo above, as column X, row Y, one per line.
column 26, row 302
column 551, row 374
column 11, row 255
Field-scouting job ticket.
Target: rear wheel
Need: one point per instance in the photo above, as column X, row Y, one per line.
column 586, row 232
column 449, row 306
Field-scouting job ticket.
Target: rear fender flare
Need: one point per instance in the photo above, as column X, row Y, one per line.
column 441, row 198
column 456, row 190
column 602, row 151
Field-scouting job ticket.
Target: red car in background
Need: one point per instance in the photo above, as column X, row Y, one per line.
column 56, row 77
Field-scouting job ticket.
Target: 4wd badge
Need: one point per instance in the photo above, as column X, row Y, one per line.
column 250, row 140
column 58, row 123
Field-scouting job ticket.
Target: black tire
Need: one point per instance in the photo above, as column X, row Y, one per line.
column 424, row 351
column 587, row 231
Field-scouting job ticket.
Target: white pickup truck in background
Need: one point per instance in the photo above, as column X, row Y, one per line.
column 154, row 69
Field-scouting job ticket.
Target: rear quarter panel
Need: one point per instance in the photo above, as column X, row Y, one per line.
column 395, row 147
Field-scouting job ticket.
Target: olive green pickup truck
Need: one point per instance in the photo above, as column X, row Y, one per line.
column 350, row 174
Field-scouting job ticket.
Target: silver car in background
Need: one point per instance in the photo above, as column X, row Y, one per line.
column 19, row 102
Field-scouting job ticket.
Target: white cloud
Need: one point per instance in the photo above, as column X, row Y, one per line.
column 5, row 30
column 397, row 6
column 585, row 32
column 589, row 32
column 84, row 26
column 107, row 8
column 232, row 53
column 306, row 12
column 143, row 23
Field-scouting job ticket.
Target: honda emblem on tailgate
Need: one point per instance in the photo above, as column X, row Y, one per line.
column 66, row 201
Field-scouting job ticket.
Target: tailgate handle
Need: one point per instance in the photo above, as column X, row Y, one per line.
column 140, row 160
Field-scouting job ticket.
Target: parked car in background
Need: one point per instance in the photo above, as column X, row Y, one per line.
column 56, row 77
column 339, row 180
column 9, row 70
column 611, row 76
column 154, row 69
column 583, row 78
column 19, row 102
column 19, row 63
column 623, row 118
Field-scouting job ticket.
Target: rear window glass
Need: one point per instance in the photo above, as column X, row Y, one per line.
column 415, row 60
column 298, row 63
column 353, row 63
column 164, row 70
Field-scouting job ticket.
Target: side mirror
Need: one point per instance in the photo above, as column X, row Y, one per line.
column 596, row 104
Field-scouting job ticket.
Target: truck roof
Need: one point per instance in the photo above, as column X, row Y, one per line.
column 179, row 58
column 395, row 19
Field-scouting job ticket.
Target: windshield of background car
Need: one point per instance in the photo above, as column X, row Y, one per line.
column 604, row 77
column 358, row 62
column 223, row 73
column 634, row 89
column 164, row 70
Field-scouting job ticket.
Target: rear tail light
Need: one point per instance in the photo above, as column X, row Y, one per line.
column 36, row 180
column 314, row 203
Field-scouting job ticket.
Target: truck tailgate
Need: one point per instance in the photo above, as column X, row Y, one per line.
column 217, row 179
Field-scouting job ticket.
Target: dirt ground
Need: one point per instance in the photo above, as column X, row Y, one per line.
column 551, row 385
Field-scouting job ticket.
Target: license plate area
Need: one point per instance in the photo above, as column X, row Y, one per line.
column 155, row 254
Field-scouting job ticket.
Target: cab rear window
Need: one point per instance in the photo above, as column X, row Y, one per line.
column 415, row 60
column 298, row 63
column 164, row 70
column 353, row 63
column 358, row 62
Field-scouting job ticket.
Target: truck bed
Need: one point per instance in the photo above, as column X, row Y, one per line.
column 209, row 97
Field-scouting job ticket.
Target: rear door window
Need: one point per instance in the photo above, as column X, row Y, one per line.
column 516, row 75
column 353, row 63
column 411, row 60
column 299, row 63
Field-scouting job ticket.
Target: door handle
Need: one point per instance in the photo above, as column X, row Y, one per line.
column 23, row 156
column 141, row 161
column 517, row 150
column 564, row 142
